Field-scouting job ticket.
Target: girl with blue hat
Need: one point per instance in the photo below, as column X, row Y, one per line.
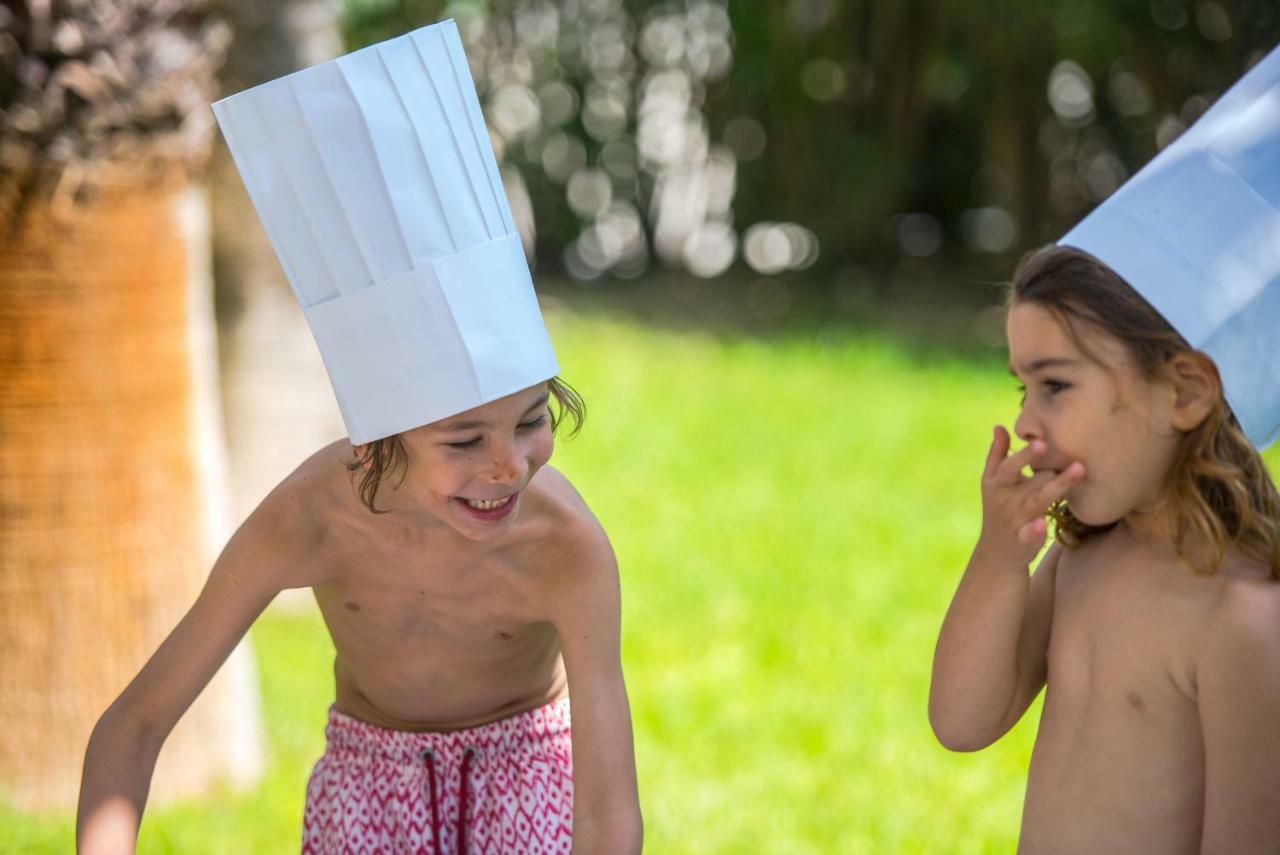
column 1148, row 346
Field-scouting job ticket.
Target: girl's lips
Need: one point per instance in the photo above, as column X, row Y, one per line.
column 490, row 514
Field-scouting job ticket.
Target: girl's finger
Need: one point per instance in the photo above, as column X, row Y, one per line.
column 999, row 448
column 1058, row 485
column 1033, row 533
column 1030, row 490
column 1009, row 471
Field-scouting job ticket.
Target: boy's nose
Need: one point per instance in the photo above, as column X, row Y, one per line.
column 506, row 466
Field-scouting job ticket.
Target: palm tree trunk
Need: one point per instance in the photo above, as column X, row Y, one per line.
column 111, row 486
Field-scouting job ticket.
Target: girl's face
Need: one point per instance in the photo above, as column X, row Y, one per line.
column 1095, row 407
column 470, row 470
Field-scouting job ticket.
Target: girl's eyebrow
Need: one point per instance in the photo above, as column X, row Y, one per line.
column 1041, row 364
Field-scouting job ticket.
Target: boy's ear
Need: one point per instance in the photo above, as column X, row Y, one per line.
column 1197, row 386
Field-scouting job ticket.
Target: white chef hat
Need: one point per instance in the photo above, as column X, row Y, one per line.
column 377, row 184
column 1197, row 233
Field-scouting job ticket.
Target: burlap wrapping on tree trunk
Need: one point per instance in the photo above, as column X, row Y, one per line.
column 109, row 511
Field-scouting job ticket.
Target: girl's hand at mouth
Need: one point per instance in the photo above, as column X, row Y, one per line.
column 1014, row 505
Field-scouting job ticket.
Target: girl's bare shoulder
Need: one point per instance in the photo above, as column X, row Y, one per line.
column 1238, row 642
column 1246, row 598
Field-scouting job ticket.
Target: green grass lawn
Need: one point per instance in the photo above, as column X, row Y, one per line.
column 791, row 518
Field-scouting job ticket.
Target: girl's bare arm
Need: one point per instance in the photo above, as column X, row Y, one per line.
column 990, row 661
column 122, row 750
column 991, row 658
column 1238, row 692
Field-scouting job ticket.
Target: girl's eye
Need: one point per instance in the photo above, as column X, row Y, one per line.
column 465, row 444
column 1050, row 387
column 1022, row 392
column 536, row 423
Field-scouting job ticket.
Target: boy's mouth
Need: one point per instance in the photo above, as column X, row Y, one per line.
column 488, row 509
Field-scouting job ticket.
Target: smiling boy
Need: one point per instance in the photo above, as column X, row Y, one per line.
column 470, row 594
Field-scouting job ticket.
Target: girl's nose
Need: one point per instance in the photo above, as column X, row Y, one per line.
column 1027, row 427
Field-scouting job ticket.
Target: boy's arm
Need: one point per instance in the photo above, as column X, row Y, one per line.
column 122, row 750
column 991, row 658
column 587, row 616
column 1238, row 691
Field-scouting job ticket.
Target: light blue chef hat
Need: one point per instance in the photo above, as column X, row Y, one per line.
column 1197, row 234
column 377, row 184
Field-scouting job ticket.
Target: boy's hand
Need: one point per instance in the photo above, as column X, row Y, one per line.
column 1014, row 505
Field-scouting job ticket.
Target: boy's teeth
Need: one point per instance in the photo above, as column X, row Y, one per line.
column 482, row 505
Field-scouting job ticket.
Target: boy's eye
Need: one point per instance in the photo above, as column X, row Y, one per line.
column 471, row 443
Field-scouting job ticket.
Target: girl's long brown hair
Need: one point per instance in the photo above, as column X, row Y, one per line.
column 1218, row 488
column 384, row 457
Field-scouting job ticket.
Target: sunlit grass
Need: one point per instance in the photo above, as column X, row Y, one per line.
column 791, row 519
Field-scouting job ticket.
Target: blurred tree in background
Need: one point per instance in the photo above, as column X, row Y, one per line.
column 940, row 136
column 112, row 474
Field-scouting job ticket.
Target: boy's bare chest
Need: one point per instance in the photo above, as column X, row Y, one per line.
column 399, row 595
column 438, row 643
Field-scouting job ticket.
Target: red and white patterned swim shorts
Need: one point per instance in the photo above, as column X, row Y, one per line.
column 504, row 787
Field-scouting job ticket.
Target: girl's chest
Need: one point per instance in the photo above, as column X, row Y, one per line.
column 1122, row 640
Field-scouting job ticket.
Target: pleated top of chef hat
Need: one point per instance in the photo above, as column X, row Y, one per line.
column 377, row 184
column 1197, row 233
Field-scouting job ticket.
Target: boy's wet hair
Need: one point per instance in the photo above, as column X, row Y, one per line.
column 384, row 457
column 1219, row 488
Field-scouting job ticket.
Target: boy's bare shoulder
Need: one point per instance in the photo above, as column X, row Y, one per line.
column 294, row 520
column 570, row 539
column 314, row 478
column 561, row 507
column 310, row 488
column 577, row 570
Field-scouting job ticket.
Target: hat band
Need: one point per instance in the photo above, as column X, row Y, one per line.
column 454, row 333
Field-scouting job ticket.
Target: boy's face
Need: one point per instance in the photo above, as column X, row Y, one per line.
column 1094, row 406
column 470, row 470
